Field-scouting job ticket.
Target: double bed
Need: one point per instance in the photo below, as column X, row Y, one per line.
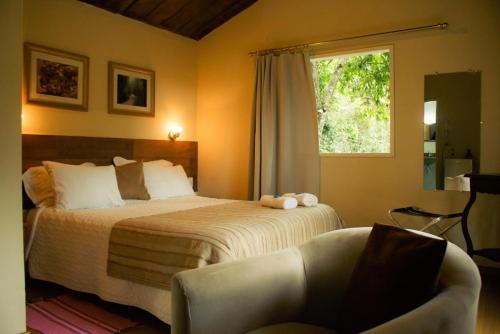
column 128, row 254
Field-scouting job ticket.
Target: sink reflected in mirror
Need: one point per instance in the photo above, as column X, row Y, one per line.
column 452, row 107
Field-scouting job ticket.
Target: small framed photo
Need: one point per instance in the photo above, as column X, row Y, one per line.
column 56, row 78
column 131, row 90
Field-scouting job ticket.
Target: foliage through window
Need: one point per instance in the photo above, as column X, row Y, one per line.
column 353, row 93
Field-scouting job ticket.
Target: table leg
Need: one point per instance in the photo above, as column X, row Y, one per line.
column 465, row 229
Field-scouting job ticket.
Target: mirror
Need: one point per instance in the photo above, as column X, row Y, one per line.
column 452, row 104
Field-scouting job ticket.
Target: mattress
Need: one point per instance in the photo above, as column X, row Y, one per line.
column 70, row 248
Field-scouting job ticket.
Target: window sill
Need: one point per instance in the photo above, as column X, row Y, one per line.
column 356, row 155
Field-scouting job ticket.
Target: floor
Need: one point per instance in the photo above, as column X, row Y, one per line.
column 147, row 323
column 488, row 314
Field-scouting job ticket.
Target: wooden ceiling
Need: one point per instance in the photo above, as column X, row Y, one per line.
column 189, row 18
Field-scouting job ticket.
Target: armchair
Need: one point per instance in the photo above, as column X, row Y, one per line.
column 300, row 290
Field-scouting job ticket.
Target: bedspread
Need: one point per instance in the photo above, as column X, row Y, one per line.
column 151, row 249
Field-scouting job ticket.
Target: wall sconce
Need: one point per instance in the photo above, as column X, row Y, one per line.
column 174, row 132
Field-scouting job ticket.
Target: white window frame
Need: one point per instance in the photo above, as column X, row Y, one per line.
column 358, row 51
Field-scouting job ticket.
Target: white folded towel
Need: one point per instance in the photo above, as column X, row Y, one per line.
column 303, row 199
column 278, row 202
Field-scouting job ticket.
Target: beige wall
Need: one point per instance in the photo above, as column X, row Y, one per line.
column 12, row 308
column 103, row 36
column 361, row 189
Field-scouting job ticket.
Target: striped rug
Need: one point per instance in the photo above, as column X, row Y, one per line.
column 69, row 315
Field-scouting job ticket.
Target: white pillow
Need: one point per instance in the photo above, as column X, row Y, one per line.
column 164, row 182
column 83, row 187
column 119, row 161
column 38, row 185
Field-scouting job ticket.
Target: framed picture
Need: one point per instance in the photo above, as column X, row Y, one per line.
column 56, row 78
column 131, row 90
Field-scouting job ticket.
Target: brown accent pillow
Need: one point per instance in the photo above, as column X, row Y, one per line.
column 396, row 272
column 130, row 178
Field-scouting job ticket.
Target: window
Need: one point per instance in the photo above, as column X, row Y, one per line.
column 353, row 99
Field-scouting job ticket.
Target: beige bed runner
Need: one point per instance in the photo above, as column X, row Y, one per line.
column 151, row 249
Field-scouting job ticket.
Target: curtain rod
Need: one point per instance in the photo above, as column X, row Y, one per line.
column 442, row 26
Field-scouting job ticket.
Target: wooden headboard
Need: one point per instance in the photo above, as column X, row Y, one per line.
column 76, row 150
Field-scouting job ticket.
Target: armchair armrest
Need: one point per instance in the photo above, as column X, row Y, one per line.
column 239, row 296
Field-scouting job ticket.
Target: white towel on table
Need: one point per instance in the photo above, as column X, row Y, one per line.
column 303, row 199
column 278, row 202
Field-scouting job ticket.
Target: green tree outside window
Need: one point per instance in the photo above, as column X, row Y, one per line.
column 353, row 102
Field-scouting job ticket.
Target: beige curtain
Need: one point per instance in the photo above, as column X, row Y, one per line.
column 286, row 153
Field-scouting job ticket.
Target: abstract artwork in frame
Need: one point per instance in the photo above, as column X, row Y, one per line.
column 56, row 78
column 131, row 90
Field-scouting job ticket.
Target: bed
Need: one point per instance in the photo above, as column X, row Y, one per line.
column 76, row 248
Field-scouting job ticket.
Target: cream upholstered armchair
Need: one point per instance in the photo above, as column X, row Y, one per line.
column 299, row 290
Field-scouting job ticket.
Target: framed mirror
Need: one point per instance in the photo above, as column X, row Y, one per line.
column 452, row 117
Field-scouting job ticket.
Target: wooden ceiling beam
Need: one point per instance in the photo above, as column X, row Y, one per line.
column 190, row 18
column 191, row 11
column 141, row 8
column 166, row 10
column 188, row 27
column 117, row 6
column 221, row 18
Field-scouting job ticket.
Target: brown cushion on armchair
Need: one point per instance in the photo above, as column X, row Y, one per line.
column 396, row 272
